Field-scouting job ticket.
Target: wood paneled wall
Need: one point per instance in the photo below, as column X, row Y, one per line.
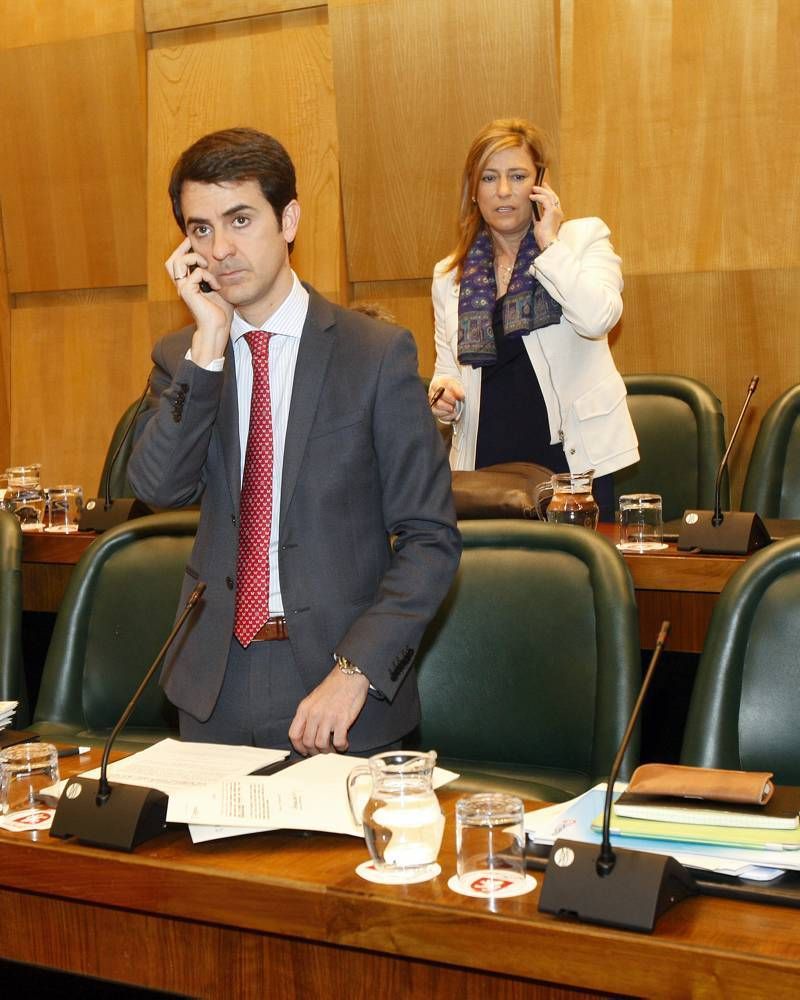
column 678, row 121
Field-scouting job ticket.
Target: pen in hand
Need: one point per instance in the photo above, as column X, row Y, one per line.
column 436, row 396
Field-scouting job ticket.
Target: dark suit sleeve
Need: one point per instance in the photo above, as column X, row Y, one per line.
column 418, row 514
column 167, row 466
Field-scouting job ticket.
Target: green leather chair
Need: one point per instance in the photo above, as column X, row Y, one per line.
column 118, row 610
column 772, row 485
column 12, row 673
column 680, row 426
column 529, row 671
column 746, row 700
column 119, row 485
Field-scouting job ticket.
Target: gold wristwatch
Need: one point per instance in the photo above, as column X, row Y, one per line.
column 346, row 666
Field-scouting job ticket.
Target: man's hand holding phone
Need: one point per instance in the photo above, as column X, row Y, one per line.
column 199, row 289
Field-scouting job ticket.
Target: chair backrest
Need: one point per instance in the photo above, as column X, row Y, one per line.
column 681, row 431
column 772, row 485
column 533, row 658
column 119, row 485
column 12, row 673
column 118, row 610
column 746, row 700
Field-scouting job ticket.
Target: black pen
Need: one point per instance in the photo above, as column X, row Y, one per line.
column 73, row 751
column 436, row 396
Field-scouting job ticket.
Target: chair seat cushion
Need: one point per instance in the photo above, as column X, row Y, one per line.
column 541, row 784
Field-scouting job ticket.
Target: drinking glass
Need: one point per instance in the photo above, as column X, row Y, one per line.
column 28, row 503
column 64, row 508
column 25, row 769
column 641, row 525
column 490, row 842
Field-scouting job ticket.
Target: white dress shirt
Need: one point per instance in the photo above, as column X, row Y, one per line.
column 286, row 326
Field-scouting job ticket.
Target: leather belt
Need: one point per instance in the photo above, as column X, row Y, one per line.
column 272, row 629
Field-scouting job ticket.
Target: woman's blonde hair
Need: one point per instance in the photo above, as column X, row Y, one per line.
column 500, row 134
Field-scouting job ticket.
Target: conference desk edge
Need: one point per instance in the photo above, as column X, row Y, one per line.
column 194, row 893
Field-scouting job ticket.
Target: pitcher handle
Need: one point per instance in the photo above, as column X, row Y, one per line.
column 544, row 491
column 355, row 775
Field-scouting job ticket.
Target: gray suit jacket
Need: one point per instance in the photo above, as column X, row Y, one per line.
column 363, row 461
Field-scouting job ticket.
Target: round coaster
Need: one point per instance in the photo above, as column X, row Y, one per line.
column 644, row 547
column 29, row 819
column 397, row 876
column 490, row 885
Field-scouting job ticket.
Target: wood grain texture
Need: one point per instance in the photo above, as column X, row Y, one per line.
column 409, row 302
column 273, row 73
column 72, row 162
column 40, row 22
column 78, row 359
column 415, row 81
column 237, row 917
column 680, row 128
column 164, row 15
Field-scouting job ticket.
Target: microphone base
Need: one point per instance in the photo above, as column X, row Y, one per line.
column 739, row 534
column 95, row 516
column 130, row 815
column 639, row 888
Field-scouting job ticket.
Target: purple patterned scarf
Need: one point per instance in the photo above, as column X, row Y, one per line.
column 527, row 305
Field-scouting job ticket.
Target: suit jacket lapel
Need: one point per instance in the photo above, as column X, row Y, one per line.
column 316, row 344
column 228, row 425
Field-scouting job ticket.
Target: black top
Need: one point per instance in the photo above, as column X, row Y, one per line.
column 513, row 424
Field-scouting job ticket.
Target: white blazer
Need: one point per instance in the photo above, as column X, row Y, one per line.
column 583, row 391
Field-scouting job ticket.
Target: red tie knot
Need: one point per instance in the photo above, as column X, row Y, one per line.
column 258, row 342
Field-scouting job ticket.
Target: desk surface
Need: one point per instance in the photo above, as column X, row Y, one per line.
column 284, row 914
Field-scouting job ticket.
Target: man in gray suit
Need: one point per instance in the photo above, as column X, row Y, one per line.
column 327, row 534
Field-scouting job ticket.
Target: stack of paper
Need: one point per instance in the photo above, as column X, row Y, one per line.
column 7, row 710
column 575, row 820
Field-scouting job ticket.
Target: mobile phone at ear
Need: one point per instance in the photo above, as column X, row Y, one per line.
column 540, row 172
column 204, row 285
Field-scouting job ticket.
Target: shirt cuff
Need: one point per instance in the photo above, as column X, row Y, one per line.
column 213, row 366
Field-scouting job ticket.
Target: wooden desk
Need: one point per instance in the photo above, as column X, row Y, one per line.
column 47, row 561
column 284, row 915
column 669, row 584
column 680, row 586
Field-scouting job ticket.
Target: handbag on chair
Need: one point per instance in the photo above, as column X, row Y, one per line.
column 507, row 490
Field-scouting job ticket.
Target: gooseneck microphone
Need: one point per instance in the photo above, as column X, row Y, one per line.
column 731, row 533
column 616, row 888
column 607, row 859
column 100, row 516
column 118, row 816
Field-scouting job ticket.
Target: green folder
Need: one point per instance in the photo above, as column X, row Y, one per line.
column 694, row 833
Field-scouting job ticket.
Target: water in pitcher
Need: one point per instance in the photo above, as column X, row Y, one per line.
column 404, row 831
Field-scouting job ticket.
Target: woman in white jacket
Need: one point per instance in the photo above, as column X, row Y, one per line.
column 523, row 307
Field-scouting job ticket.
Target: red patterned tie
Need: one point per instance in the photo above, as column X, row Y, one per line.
column 255, row 513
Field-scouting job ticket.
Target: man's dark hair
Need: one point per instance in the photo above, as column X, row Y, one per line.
column 236, row 154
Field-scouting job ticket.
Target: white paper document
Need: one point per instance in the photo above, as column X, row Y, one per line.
column 309, row 795
column 174, row 767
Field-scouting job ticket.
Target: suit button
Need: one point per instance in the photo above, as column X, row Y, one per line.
column 229, row 583
column 233, row 519
column 572, row 451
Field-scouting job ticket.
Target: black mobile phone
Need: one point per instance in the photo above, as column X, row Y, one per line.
column 540, row 171
column 204, row 285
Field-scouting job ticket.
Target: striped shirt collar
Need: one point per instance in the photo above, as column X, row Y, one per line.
column 287, row 320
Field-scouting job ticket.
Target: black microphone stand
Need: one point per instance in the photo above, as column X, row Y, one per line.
column 99, row 517
column 621, row 888
column 118, row 816
column 731, row 533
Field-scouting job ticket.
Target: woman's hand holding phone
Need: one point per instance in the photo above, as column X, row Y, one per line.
column 547, row 212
